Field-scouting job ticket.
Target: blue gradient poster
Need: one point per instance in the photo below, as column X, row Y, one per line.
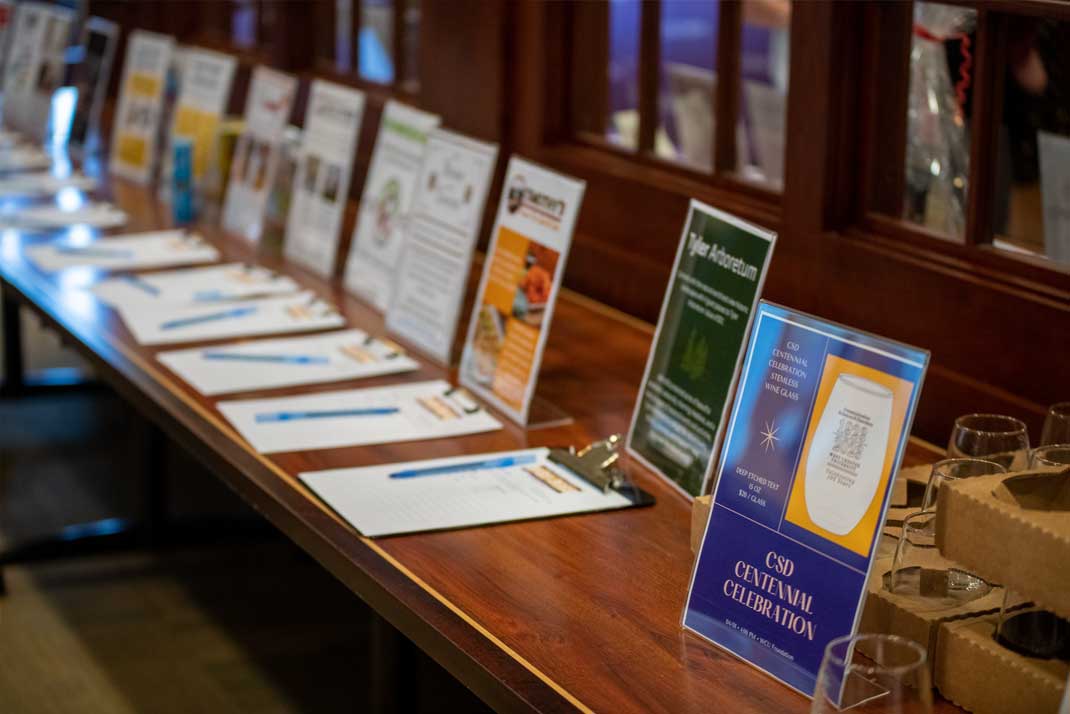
column 816, row 433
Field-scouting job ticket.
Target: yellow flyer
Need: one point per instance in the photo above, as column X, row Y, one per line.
column 137, row 118
column 521, row 278
column 202, row 102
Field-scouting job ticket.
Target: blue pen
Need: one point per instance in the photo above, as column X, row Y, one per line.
column 141, row 284
column 499, row 463
column 248, row 357
column 210, row 295
column 292, row 416
column 210, row 317
column 91, row 252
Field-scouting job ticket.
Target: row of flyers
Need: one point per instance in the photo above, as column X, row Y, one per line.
column 420, row 212
column 37, row 42
column 821, row 412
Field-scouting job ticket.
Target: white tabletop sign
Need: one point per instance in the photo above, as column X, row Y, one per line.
column 321, row 182
column 447, row 212
column 202, row 102
column 35, row 65
column 256, row 156
column 385, row 201
column 137, row 118
column 521, row 279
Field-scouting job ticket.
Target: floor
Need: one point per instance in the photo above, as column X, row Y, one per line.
column 258, row 627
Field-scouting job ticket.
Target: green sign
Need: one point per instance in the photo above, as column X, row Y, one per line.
column 716, row 281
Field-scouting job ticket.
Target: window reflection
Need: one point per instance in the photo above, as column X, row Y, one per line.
column 1031, row 209
column 938, row 147
column 686, row 120
column 764, row 77
column 623, row 120
column 375, row 42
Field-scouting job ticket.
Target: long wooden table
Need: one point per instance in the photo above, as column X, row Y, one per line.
column 569, row 614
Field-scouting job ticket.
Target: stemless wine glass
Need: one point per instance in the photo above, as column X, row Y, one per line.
column 952, row 470
column 919, row 571
column 1056, row 425
column 994, row 437
column 882, row 674
column 1053, row 457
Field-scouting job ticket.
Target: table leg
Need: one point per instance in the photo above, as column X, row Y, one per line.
column 394, row 665
column 14, row 378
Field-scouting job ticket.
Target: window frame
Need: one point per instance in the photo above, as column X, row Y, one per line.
column 888, row 58
column 723, row 181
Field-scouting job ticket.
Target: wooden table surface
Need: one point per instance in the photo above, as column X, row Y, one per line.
column 569, row 614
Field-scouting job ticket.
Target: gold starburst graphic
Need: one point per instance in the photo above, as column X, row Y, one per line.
column 769, row 437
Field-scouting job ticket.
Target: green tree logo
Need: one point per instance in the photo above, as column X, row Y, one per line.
column 696, row 354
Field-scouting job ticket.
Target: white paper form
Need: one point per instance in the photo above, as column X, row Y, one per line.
column 43, row 183
column 447, row 212
column 210, row 284
column 256, row 155
column 95, row 215
column 24, row 158
column 154, row 249
column 385, row 201
column 375, row 415
column 457, row 492
column 171, row 324
column 321, row 182
column 269, row 364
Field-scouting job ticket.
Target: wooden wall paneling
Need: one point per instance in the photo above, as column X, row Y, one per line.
column 587, row 72
column 889, row 32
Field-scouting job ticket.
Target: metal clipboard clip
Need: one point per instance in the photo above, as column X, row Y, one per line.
column 596, row 463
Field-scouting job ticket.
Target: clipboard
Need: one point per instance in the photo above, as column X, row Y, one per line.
column 479, row 490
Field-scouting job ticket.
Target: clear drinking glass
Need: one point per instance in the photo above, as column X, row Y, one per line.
column 918, row 569
column 952, row 470
column 1056, row 425
column 1053, row 457
column 880, row 674
column 1032, row 631
column 994, row 437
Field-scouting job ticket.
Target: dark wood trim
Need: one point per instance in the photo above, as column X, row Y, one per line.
column 398, row 50
column 727, row 99
column 1057, row 9
column 990, row 63
column 649, row 73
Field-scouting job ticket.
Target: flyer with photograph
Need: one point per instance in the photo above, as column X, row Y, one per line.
column 324, row 170
column 257, row 153
column 138, row 113
column 384, row 203
column 816, row 434
column 199, row 108
column 691, row 370
column 91, row 77
column 35, row 64
column 443, row 227
column 521, row 279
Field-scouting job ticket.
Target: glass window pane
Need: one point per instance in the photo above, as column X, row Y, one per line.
column 685, row 131
column 764, row 90
column 343, row 41
column 375, row 42
column 622, row 122
column 938, row 118
column 243, row 24
column 1031, row 201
